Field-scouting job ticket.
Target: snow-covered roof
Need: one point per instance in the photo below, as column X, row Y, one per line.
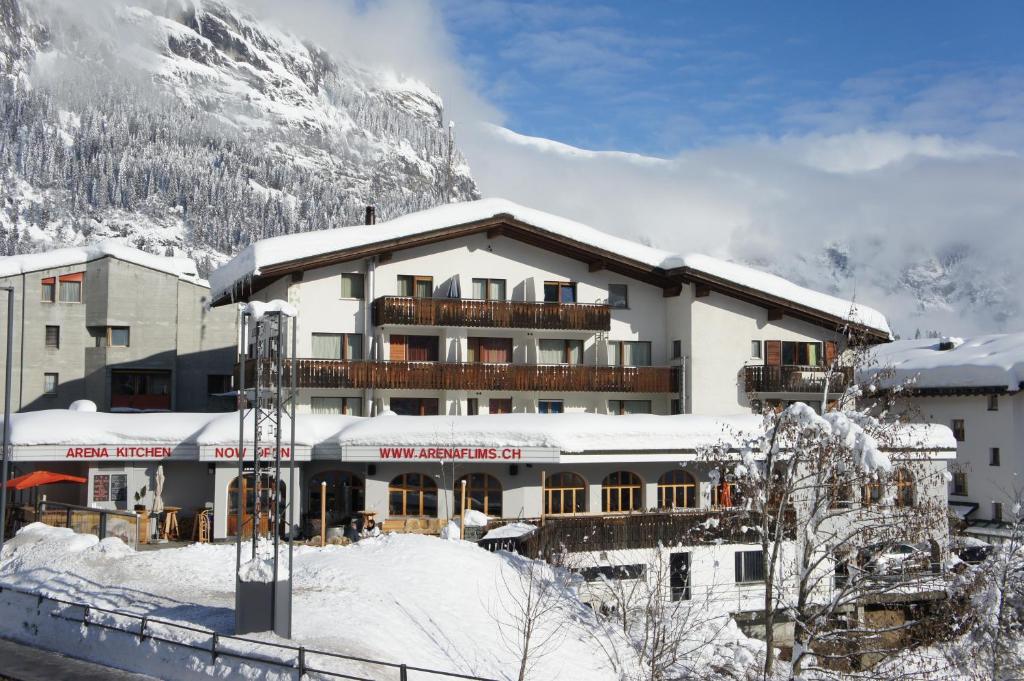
column 991, row 361
column 183, row 268
column 294, row 247
column 569, row 433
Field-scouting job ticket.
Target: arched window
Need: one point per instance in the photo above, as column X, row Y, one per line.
column 725, row 493
column 412, row 494
column 483, row 493
column 345, row 494
column 621, row 492
column 904, row 481
column 873, row 491
column 564, row 494
column 248, row 493
column 677, row 489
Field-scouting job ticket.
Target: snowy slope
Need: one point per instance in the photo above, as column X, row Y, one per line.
column 193, row 128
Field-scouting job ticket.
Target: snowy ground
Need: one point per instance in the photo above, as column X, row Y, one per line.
column 402, row 598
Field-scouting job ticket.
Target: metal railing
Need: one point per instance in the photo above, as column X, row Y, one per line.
column 99, row 521
column 297, row 658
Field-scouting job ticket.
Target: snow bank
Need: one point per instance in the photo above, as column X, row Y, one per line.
column 510, row 531
column 64, row 427
column 476, row 519
column 282, row 249
column 995, row 361
column 183, row 268
column 258, row 309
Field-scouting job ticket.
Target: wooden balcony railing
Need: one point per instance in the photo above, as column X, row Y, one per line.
column 794, row 379
column 329, row 373
column 501, row 314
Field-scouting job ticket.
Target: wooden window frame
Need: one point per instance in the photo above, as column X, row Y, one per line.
column 492, row 400
column 561, row 285
column 110, row 335
column 873, row 488
column 740, row 562
column 487, row 287
column 687, row 486
column 725, row 490
column 491, row 487
column 473, row 344
column 566, row 354
column 416, row 279
column 346, row 403
column 405, row 489
column 621, row 411
column 632, row 487
column 551, row 401
column 620, row 349
column 573, row 493
column 422, row 403
column 344, row 344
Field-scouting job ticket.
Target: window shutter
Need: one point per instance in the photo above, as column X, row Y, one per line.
column 773, row 353
column 397, row 348
column 831, row 350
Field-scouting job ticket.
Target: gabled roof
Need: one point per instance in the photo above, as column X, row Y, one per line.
column 265, row 261
column 183, row 268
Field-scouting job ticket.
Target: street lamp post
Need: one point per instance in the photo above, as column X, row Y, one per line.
column 6, row 453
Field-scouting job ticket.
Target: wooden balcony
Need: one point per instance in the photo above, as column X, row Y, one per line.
column 498, row 314
column 794, row 379
column 329, row 373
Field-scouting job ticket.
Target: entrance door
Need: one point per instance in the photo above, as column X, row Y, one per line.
column 249, row 494
column 679, row 576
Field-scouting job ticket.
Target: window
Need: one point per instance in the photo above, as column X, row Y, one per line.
column 997, row 511
column 349, row 406
column 489, row 289
column 50, row 384
column 560, row 351
column 412, row 286
column 602, row 572
column 472, row 406
column 959, row 484
column 412, row 494
column 499, row 405
column 840, row 490
column 872, row 492
column 801, row 354
column 53, row 336
column 630, row 353
column 675, row 406
column 490, row 350
column 117, row 336
column 140, row 389
column 677, row 489
column 618, row 296
column 414, row 348
column 414, row 406
column 993, row 402
column 483, row 493
column 344, row 495
column 679, row 576
column 755, row 349
column 725, row 494
column 958, row 430
column 550, row 406
column 564, row 494
column 49, row 292
column 71, row 287
column 621, row 492
column 993, row 456
column 345, row 346
column 559, row 292
column 218, row 384
column 352, row 286
column 749, row 567
column 904, row 481
column 677, row 349
column 629, row 407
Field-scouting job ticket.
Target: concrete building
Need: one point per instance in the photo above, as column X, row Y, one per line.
column 118, row 326
column 490, row 307
column 974, row 387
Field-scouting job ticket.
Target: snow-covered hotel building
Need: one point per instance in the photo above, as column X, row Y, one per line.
column 488, row 307
column 973, row 386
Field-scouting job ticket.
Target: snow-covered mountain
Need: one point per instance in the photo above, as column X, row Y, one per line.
column 189, row 126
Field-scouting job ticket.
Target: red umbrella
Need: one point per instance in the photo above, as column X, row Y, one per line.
column 37, row 478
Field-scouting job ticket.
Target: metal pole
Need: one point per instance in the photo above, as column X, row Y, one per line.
column 257, row 411
column 242, row 352
column 291, row 462
column 7, row 415
column 282, row 338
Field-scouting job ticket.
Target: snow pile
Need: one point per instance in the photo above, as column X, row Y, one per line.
column 258, row 309
column 260, row 569
column 406, row 598
column 510, row 531
column 991, row 361
column 476, row 519
column 83, row 405
column 183, row 268
column 291, row 247
column 64, row 427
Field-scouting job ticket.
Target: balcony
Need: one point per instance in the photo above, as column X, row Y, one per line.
column 498, row 314
column 329, row 373
column 794, row 379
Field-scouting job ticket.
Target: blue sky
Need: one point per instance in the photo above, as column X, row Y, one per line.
column 663, row 77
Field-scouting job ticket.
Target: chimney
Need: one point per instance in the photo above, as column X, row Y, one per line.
column 371, row 215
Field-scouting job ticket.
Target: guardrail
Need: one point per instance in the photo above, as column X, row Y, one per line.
column 99, row 521
column 217, row 645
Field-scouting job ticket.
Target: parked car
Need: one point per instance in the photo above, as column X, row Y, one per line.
column 970, row 549
column 896, row 559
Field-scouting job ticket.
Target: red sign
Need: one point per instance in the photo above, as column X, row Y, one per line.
column 128, row 452
column 265, row 453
